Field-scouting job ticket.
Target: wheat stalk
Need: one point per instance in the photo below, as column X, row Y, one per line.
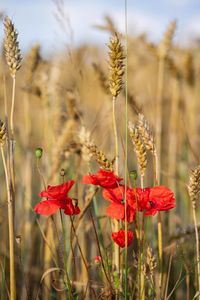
column 194, row 192
column 3, row 137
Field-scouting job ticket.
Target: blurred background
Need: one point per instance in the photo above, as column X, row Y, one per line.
column 63, row 85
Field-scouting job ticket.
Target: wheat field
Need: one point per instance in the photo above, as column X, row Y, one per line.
column 118, row 128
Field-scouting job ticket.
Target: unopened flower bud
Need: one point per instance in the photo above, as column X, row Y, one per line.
column 38, row 152
column 62, row 172
column 133, row 174
column 97, row 260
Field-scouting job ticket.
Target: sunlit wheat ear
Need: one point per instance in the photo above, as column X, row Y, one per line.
column 139, row 147
column 116, row 64
column 194, row 185
column 166, row 42
column 11, row 47
column 2, row 133
column 146, row 134
column 91, row 151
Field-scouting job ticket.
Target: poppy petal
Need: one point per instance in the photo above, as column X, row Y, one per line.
column 47, row 207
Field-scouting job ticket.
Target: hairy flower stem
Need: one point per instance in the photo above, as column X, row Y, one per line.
column 62, row 260
column 141, row 236
column 115, row 222
column 159, row 224
column 11, row 230
column 197, row 247
column 138, row 234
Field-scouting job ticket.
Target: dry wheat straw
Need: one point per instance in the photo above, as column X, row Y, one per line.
column 115, row 79
column 163, row 52
column 194, row 192
column 3, row 137
column 13, row 58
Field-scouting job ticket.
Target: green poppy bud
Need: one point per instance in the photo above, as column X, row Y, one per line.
column 38, row 152
column 133, row 174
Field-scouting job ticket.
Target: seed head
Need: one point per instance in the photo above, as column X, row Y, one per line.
column 139, row 147
column 11, row 47
column 116, row 63
column 2, row 133
column 166, row 43
column 194, row 185
column 146, row 134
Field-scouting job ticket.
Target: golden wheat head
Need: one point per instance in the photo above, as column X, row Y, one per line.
column 194, row 185
column 11, row 47
column 116, row 63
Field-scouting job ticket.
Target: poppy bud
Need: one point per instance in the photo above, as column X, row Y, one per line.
column 38, row 152
column 62, row 172
column 133, row 174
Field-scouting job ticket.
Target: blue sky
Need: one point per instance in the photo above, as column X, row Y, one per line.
column 36, row 22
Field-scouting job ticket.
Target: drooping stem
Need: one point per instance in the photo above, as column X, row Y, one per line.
column 11, row 230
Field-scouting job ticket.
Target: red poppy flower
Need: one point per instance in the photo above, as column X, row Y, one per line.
column 161, row 198
column 119, row 237
column 116, row 209
column 57, row 198
column 103, row 178
column 135, row 197
column 57, row 192
column 142, row 200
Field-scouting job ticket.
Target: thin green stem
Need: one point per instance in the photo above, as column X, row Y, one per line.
column 40, row 173
column 159, row 224
column 126, row 152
